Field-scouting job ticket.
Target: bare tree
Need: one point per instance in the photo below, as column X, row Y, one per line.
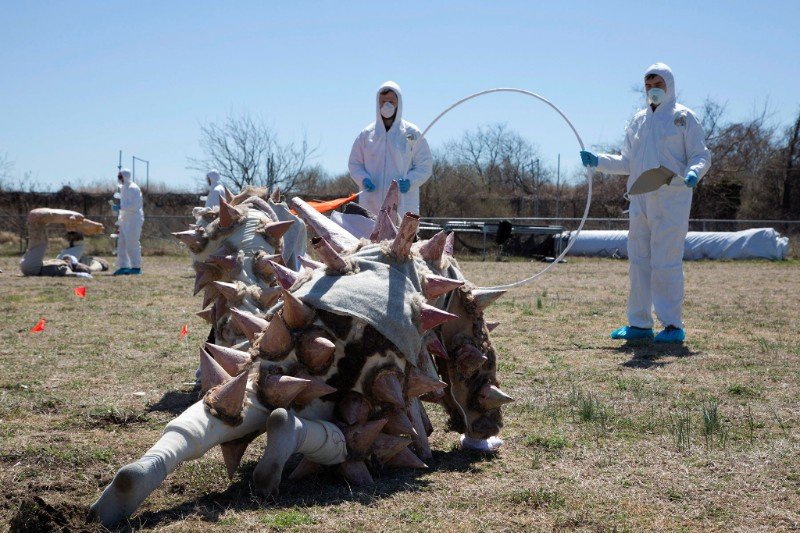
column 791, row 180
column 6, row 165
column 246, row 151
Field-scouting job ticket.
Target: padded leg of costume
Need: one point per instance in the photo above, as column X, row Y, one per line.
column 320, row 441
column 187, row 437
column 669, row 227
column 640, row 303
column 31, row 263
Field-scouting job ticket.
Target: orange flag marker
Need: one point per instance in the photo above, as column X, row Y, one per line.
column 184, row 331
column 39, row 326
column 80, row 292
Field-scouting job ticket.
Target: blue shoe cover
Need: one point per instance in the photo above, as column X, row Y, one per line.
column 135, row 271
column 121, row 272
column 631, row 333
column 672, row 335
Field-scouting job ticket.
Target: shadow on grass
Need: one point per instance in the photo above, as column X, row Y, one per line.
column 326, row 489
column 174, row 402
column 646, row 354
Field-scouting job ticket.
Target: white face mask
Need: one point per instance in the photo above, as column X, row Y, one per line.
column 656, row 96
column 387, row 110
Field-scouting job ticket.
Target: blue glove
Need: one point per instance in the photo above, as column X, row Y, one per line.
column 115, row 207
column 368, row 185
column 691, row 179
column 404, row 185
column 588, row 159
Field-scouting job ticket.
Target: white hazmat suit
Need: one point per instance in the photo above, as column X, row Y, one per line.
column 131, row 218
column 216, row 189
column 384, row 156
column 670, row 136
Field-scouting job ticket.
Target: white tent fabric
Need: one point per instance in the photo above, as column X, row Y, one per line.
column 757, row 243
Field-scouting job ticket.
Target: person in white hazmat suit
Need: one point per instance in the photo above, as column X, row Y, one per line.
column 669, row 135
column 382, row 152
column 216, row 189
column 130, row 220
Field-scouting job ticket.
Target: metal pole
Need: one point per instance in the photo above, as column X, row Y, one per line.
column 558, row 188
column 119, row 166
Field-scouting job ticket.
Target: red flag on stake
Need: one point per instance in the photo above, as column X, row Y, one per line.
column 184, row 331
column 39, row 326
column 80, row 292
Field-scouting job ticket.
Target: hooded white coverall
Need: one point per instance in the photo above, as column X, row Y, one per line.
column 216, row 190
column 130, row 220
column 670, row 136
column 384, row 156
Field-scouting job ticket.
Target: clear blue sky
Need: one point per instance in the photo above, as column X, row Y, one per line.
column 81, row 80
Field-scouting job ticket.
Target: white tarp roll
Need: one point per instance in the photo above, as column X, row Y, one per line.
column 757, row 243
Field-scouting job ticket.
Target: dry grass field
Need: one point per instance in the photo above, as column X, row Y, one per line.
column 602, row 436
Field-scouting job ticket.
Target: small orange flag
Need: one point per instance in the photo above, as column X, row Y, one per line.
column 80, row 292
column 184, row 331
column 39, row 326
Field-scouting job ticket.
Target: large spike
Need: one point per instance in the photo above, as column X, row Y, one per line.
column 398, row 423
column 418, row 383
column 307, row 262
column 233, row 361
column 401, row 245
column 204, row 275
column 220, row 306
column 449, row 243
column 268, row 296
column 305, row 468
column 384, row 228
column 339, row 238
column 227, row 400
column 405, row 458
column 315, row 389
column 227, row 263
column 229, row 196
column 211, row 372
column 280, row 391
column 209, row 295
column 315, row 350
column 483, row 298
column 262, row 264
column 353, row 407
column 296, row 314
column 194, row 239
column 328, row 255
column 231, row 291
column 386, row 387
column 435, row 346
column 387, row 446
column 207, row 315
column 359, row 437
column 233, row 451
column 285, row 277
column 430, row 317
column 276, row 341
column 436, row 286
column 420, row 436
column 490, row 397
column 491, row 326
column 228, row 215
column 390, row 202
column 275, row 197
column 248, row 323
column 470, row 358
column 432, row 249
column 276, row 230
column 356, row 473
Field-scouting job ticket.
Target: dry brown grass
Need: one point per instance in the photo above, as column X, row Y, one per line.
column 596, row 439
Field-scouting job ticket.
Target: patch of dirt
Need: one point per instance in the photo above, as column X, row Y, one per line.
column 35, row 514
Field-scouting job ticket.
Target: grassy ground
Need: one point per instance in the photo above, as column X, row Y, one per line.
column 602, row 436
